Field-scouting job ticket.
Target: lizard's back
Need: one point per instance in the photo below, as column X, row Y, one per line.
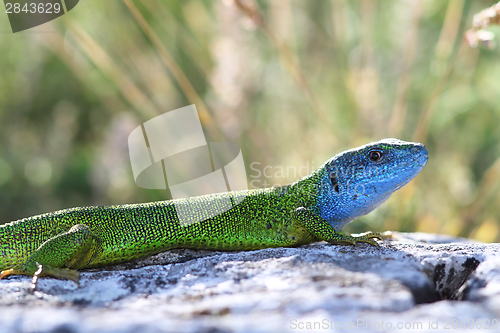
column 227, row 221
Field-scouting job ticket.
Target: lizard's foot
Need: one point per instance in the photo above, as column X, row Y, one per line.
column 60, row 273
column 366, row 237
column 44, row 270
column 325, row 231
column 381, row 235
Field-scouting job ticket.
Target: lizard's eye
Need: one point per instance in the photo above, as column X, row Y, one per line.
column 375, row 155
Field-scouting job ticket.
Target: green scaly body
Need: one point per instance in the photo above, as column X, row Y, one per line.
column 312, row 209
column 262, row 219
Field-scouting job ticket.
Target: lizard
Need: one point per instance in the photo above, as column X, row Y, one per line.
column 315, row 208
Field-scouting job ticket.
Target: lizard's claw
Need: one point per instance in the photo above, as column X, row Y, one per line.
column 60, row 273
column 379, row 235
column 371, row 237
column 8, row 272
column 366, row 237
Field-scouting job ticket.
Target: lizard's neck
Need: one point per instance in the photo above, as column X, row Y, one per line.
column 305, row 191
column 337, row 208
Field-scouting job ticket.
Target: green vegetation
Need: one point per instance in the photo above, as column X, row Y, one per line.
column 292, row 82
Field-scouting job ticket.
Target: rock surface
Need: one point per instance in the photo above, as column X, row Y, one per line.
column 415, row 282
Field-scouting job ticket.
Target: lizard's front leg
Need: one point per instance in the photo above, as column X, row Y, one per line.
column 60, row 256
column 325, row 231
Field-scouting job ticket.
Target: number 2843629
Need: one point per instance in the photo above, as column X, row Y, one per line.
column 32, row 8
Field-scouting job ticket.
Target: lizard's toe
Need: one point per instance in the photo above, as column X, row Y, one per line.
column 370, row 238
column 8, row 272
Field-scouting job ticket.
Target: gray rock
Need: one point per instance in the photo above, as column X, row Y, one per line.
column 424, row 281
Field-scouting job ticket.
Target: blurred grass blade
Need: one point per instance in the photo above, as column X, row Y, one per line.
column 103, row 61
column 449, row 26
column 398, row 117
column 176, row 71
column 289, row 59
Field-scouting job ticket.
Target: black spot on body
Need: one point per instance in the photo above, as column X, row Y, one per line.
column 268, row 226
column 334, row 181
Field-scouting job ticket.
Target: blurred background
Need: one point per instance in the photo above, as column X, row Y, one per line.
column 291, row 82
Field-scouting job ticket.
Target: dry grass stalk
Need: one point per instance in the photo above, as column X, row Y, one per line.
column 290, row 60
column 177, row 72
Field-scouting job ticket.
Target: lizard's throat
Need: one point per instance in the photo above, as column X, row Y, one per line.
column 339, row 209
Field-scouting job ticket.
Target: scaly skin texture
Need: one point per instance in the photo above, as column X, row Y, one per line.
column 315, row 208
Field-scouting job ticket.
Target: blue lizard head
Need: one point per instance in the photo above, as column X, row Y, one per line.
column 355, row 182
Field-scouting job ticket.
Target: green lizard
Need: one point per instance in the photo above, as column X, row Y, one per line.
column 349, row 185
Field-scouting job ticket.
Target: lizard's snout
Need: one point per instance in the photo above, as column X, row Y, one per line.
column 421, row 153
column 424, row 155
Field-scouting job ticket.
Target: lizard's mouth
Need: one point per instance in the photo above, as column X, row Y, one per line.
column 413, row 168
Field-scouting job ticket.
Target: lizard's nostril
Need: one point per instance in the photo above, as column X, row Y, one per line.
column 422, row 149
